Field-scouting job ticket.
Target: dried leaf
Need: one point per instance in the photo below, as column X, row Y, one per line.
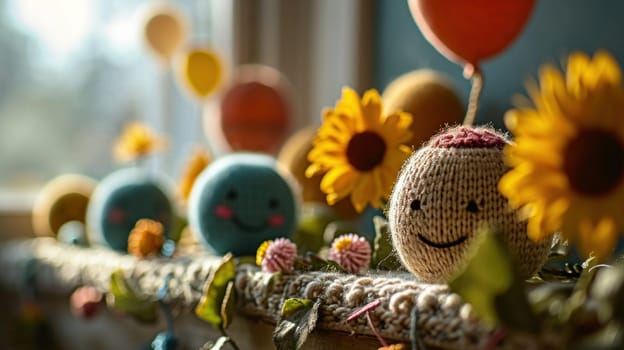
column 312, row 262
column 227, row 305
column 123, row 298
column 210, row 306
column 608, row 290
column 609, row 337
column 217, row 345
column 298, row 320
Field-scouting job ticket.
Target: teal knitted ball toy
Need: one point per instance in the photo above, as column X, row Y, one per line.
column 121, row 199
column 240, row 201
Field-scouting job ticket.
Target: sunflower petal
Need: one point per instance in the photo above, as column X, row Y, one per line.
column 349, row 102
column 371, row 109
column 362, row 193
column 598, row 239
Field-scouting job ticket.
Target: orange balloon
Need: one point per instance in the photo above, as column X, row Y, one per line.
column 469, row 31
column 255, row 111
column 165, row 31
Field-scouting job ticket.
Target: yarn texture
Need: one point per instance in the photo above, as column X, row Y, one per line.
column 445, row 192
column 444, row 320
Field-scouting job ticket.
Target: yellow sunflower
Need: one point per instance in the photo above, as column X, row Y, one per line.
column 359, row 150
column 568, row 156
column 136, row 141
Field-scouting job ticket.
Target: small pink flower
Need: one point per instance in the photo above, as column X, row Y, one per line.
column 351, row 251
column 280, row 256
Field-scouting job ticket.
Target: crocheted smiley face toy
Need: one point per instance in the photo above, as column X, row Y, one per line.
column 240, row 201
column 121, row 199
column 444, row 193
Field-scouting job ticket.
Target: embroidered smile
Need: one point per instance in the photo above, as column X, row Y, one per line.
column 226, row 212
column 430, row 243
column 246, row 227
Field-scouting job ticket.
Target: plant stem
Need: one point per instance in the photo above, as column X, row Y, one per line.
column 230, row 340
column 375, row 332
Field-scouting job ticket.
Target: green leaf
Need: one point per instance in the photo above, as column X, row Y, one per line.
column 123, row 298
column 210, row 305
column 245, row 260
column 312, row 262
column 269, row 281
column 331, row 266
column 319, row 264
column 383, row 252
column 217, row 345
column 178, row 225
column 293, row 305
column 491, row 284
column 299, row 318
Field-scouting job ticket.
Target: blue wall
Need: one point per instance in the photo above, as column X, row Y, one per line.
column 556, row 28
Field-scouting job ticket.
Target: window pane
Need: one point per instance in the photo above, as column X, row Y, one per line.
column 73, row 73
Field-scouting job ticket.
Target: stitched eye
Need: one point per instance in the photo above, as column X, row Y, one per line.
column 472, row 206
column 231, row 195
column 273, row 203
column 415, row 205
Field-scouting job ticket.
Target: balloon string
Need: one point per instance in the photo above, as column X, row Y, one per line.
column 473, row 100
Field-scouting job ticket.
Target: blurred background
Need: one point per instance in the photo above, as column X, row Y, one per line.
column 74, row 72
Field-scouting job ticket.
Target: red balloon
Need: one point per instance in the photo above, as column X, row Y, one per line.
column 255, row 111
column 469, row 31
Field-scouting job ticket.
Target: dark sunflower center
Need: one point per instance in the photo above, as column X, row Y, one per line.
column 366, row 150
column 594, row 162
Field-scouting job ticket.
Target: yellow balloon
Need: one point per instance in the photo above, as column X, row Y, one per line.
column 165, row 31
column 201, row 71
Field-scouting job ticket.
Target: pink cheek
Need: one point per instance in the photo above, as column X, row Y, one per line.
column 223, row 211
column 276, row 220
column 116, row 216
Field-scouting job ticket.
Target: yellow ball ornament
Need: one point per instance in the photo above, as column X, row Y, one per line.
column 63, row 199
column 294, row 155
column 429, row 97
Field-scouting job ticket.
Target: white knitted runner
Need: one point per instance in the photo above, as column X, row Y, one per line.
column 443, row 319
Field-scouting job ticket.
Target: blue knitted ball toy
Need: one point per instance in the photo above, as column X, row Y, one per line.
column 123, row 198
column 240, row 201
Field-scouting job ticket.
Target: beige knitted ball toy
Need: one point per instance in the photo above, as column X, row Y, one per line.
column 446, row 191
